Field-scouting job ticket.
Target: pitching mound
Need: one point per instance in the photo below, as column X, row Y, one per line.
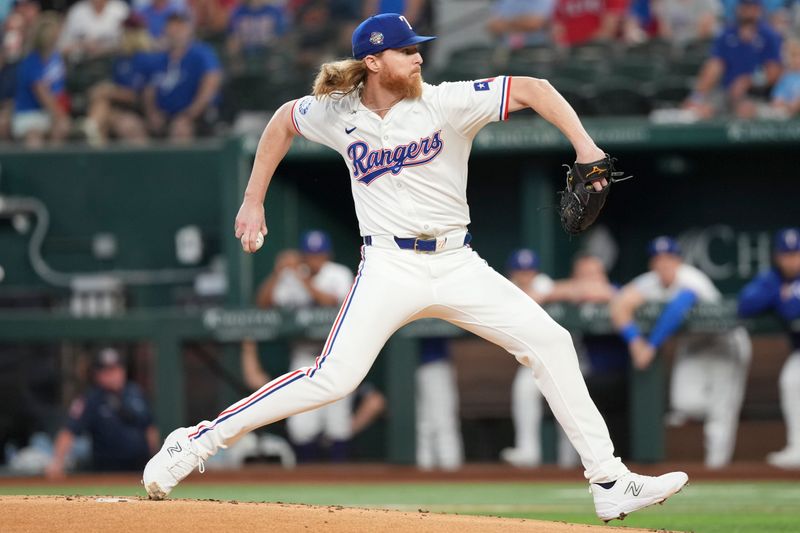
column 80, row 514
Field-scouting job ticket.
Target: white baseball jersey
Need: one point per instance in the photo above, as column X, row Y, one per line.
column 408, row 170
column 688, row 277
column 333, row 278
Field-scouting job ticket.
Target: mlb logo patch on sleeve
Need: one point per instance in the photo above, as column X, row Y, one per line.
column 482, row 85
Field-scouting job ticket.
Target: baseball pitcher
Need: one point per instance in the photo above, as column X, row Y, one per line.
column 406, row 145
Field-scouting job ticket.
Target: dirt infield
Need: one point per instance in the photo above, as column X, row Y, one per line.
column 79, row 514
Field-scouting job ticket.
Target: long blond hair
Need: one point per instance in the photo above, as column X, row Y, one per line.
column 339, row 77
column 135, row 40
column 45, row 33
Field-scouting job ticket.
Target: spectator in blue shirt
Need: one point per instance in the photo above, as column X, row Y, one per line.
column 155, row 17
column 778, row 290
column 41, row 105
column 521, row 23
column 776, row 12
column 13, row 32
column 183, row 93
column 115, row 105
column 786, row 94
column 115, row 414
column 739, row 55
column 255, row 26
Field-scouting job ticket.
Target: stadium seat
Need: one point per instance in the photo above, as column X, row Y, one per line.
column 577, row 95
column 535, row 54
column 580, row 71
column 252, row 93
column 593, row 51
column 698, row 50
column 660, row 49
column 471, row 56
column 618, row 98
column 458, row 73
column 638, row 69
column 669, row 92
column 526, row 67
column 688, row 67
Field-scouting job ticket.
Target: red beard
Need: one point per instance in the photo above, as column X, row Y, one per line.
column 405, row 87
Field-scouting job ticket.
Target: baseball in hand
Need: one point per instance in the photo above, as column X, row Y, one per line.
column 259, row 240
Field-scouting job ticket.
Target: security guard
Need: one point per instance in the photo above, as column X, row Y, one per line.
column 115, row 414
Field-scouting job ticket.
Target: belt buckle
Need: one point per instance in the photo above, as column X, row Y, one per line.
column 416, row 247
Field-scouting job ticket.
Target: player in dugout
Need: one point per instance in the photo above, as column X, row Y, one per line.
column 778, row 290
column 710, row 369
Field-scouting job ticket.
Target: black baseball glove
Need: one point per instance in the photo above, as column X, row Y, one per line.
column 580, row 202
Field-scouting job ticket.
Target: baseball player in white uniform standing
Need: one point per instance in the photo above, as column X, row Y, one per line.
column 406, row 144
column 710, row 369
column 526, row 399
column 303, row 281
column 438, row 425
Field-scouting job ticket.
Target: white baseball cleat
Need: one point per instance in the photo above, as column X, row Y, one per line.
column 788, row 458
column 174, row 461
column 632, row 492
column 519, row 458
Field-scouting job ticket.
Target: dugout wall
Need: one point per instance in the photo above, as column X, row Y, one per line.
column 722, row 187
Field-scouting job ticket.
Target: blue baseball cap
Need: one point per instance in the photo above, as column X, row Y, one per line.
column 523, row 259
column 787, row 240
column 384, row 31
column 315, row 242
column 663, row 245
column 178, row 13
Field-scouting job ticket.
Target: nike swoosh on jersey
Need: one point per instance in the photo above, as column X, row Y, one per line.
column 350, row 130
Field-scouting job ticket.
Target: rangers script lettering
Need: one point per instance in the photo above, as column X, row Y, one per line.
column 369, row 165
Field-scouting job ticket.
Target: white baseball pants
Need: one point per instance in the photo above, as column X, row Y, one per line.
column 709, row 383
column 789, row 382
column 439, row 443
column 394, row 287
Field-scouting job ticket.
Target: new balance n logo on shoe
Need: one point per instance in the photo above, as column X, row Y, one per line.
column 634, row 489
column 177, row 449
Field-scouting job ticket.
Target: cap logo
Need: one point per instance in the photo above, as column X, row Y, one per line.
column 315, row 240
column 305, row 103
column 376, row 38
column 791, row 239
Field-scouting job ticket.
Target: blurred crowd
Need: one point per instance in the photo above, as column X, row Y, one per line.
column 98, row 70
column 701, row 58
column 105, row 69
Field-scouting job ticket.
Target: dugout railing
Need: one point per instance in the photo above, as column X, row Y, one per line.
column 169, row 329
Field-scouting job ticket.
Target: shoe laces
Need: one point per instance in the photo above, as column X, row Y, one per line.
column 181, row 466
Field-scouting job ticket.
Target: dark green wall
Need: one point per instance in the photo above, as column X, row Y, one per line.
column 140, row 196
column 724, row 199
